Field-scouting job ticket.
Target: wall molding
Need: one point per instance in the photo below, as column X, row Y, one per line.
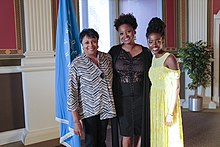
column 36, row 136
column 37, row 64
column 38, row 27
column 198, row 14
column 216, row 45
column 11, row 136
column 29, row 137
column 9, row 69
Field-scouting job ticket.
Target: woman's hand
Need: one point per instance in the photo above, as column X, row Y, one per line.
column 169, row 120
column 78, row 128
column 77, row 124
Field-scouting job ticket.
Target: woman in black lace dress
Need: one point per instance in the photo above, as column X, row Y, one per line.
column 131, row 85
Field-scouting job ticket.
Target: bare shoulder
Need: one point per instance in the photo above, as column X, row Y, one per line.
column 171, row 62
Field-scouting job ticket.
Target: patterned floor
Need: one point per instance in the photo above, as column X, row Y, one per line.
column 201, row 129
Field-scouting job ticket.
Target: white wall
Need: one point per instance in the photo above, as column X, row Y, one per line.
column 197, row 30
column 216, row 57
column 38, row 77
column 143, row 10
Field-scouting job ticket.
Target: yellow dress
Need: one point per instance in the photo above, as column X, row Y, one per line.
column 160, row 97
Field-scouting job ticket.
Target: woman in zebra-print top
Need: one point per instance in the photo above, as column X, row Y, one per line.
column 90, row 96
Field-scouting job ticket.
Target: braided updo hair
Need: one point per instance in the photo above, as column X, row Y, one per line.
column 156, row 25
column 125, row 19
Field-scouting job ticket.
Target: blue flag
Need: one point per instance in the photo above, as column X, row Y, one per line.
column 67, row 48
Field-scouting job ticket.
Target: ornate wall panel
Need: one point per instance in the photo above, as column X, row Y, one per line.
column 175, row 17
column 11, row 32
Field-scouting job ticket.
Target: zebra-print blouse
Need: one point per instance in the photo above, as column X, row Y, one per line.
column 90, row 87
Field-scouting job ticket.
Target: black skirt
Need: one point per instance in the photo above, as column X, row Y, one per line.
column 129, row 117
column 130, row 107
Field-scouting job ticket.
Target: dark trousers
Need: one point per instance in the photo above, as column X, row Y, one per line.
column 95, row 131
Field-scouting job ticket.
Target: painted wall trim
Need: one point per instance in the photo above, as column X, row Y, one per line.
column 31, row 137
column 11, row 136
column 9, row 69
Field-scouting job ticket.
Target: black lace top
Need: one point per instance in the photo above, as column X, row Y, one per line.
column 144, row 86
column 130, row 71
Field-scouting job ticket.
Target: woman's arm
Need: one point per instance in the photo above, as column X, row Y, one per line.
column 171, row 63
column 72, row 100
column 172, row 106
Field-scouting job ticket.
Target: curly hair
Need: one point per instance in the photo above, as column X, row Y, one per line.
column 125, row 19
column 156, row 25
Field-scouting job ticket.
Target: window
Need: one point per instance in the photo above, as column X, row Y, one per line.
column 99, row 15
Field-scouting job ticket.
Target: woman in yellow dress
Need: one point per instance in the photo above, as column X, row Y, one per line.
column 165, row 111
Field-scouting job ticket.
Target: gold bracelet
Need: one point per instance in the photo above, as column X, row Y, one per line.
column 170, row 114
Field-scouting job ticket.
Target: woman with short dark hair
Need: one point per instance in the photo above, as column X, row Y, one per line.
column 90, row 97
